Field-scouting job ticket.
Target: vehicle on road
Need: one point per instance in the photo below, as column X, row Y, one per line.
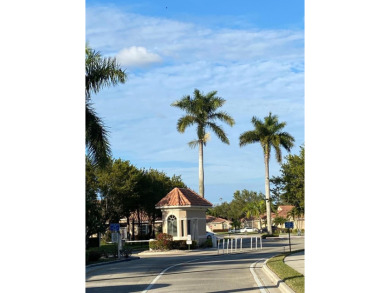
column 248, row 229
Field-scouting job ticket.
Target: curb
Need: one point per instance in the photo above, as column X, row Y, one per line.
column 275, row 279
column 111, row 262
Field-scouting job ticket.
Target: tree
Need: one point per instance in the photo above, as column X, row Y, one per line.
column 291, row 182
column 202, row 111
column 125, row 190
column 94, row 222
column 296, row 213
column 279, row 220
column 118, row 189
column 270, row 136
column 255, row 209
column 100, row 72
column 153, row 186
column 236, row 209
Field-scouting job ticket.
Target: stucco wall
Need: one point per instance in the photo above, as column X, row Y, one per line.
column 197, row 216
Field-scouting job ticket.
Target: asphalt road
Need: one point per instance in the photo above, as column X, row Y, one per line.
column 195, row 271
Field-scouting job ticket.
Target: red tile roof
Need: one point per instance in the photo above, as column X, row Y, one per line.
column 283, row 210
column 183, row 197
column 211, row 219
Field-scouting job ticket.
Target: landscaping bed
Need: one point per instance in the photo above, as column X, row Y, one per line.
column 107, row 252
column 293, row 279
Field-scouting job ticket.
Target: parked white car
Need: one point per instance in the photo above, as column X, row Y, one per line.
column 248, row 229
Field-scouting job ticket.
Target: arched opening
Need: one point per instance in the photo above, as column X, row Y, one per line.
column 172, row 225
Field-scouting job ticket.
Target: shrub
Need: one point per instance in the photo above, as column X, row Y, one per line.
column 93, row 242
column 179, row 244
column 153, row 245
column 163, row 242
column 207, row 243
column 264, row 236
column 93, row 255
column 126, row 251
column 182, row 244
column 109, row 250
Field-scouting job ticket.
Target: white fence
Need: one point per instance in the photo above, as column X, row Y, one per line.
column 231, row 245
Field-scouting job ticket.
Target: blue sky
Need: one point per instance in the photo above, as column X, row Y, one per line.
column 251, row 52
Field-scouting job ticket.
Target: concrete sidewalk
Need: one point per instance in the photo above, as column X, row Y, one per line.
column 296, row 261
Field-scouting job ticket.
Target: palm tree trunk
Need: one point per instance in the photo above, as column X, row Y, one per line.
column 201, row 173
column 267, row 194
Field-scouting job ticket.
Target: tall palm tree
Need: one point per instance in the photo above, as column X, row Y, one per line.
column 100, row 72
column 255, row 209
column 270, row 136
column 202, row 111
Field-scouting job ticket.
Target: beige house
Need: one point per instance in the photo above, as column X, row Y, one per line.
column 184, row 213
column 282, row 211
column 217, row 224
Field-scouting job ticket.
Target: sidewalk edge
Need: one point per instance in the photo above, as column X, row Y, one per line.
column 274, row 278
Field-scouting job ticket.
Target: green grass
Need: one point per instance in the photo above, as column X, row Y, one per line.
column 291, row 277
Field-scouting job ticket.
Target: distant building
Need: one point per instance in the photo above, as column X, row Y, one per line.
column 282, row 211
column 184, row 213
column 217, row 224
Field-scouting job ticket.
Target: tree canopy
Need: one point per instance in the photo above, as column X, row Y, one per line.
column 239, row 206
column 290, row 185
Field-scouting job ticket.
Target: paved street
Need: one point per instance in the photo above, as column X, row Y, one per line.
column 195, row 271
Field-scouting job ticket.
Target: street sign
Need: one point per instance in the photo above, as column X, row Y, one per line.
column 289, row 225
column 114, row 227
column 189, row 242
column 114, row 237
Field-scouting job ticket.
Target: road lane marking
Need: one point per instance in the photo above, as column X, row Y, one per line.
column 162, row 273
column 259, row 284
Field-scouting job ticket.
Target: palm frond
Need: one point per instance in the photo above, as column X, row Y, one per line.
column 185, row 122
column 286, row 140
column 249, row 137
column 219, row 132
column 223, row 116
column 194, row 143
column 101, row 72
column 96, row 138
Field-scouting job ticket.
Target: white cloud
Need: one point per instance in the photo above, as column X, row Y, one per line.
column 137, row 57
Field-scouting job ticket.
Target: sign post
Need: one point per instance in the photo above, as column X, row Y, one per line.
column 189, row 241
column 289, row 225
column 114, row 227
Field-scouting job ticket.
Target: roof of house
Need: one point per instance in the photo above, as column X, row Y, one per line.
column 211, row 219
column 283, row 210
column 183, row 197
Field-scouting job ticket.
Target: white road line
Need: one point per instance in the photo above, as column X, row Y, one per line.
column 259, row 284
column 162, row 273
